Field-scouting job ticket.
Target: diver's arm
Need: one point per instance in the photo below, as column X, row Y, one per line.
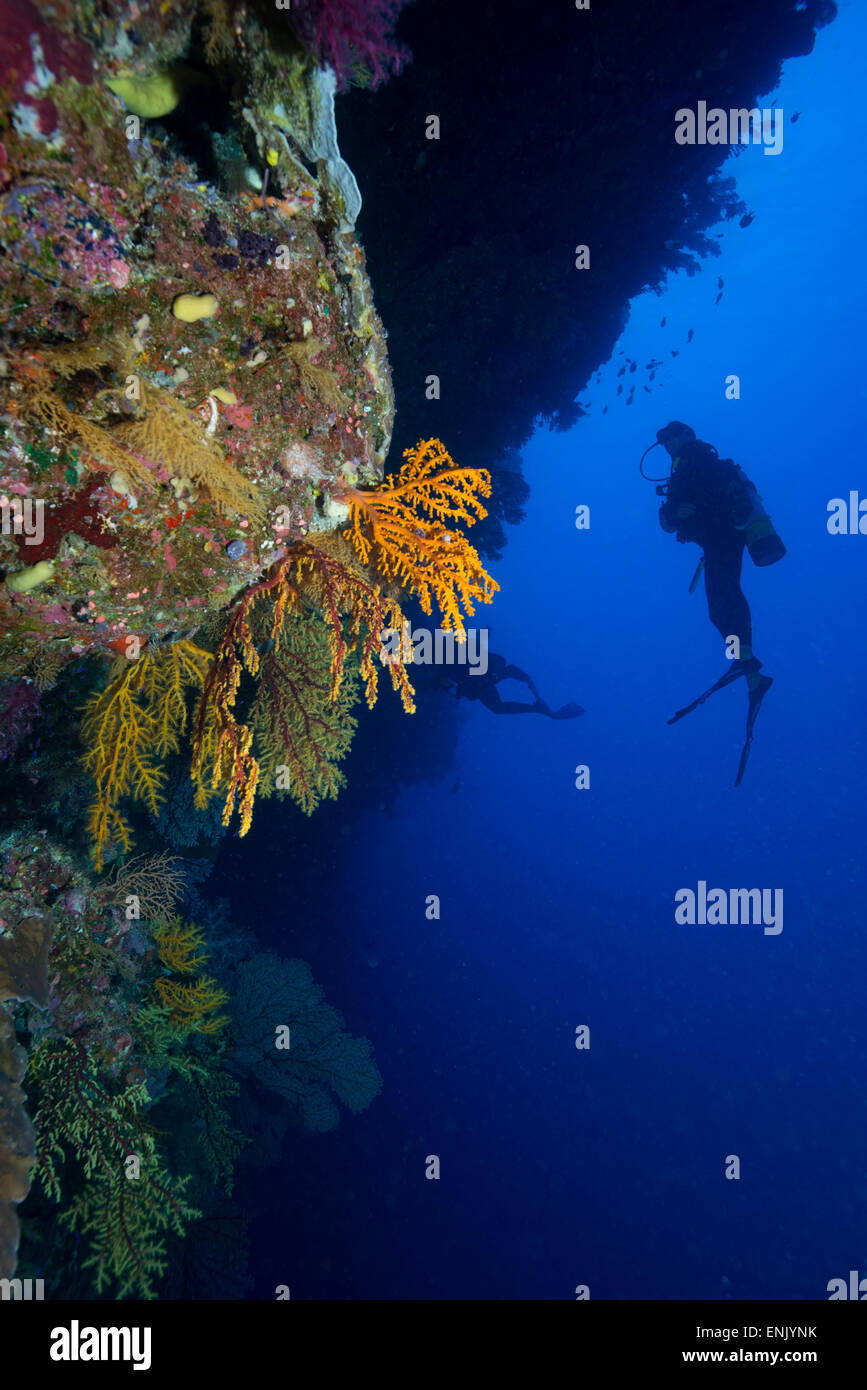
column 679, row 505
column 667, row 512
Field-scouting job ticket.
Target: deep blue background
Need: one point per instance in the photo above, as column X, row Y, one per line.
column 606, row 1167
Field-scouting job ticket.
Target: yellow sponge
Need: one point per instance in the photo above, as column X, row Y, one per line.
column 25, row 580
column 150, row 96
column 189, row 308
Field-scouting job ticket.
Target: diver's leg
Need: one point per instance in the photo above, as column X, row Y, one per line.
column 515, row 673
column 728, row 608
column 726, row 604
column 492, row 700
column 729, row 612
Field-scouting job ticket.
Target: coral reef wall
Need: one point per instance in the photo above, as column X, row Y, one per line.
column 193, row 385
column 187, row 367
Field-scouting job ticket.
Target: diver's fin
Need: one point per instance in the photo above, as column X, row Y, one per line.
column 756, row 697
column 731, row 675
column 570, row 711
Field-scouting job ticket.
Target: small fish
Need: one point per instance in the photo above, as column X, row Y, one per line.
column 653, row 376
column 647, row 389
column 747, row 218
column 605, row 410
column 629, row 402
column 795, row 115
column 675, row 352
column 662, row 322
column 720, row 282
column 619, row 390
column 622, row 371
column 718, row 298
column 634, row 367
column 689, row 335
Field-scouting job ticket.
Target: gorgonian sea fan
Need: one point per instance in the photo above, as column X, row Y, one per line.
column 348, row 35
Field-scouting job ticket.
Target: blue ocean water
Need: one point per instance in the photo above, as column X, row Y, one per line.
column 606, row 1166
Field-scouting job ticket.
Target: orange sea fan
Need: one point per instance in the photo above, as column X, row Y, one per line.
column 406, row 530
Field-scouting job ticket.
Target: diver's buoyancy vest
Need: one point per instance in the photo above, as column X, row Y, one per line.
column 729, row 493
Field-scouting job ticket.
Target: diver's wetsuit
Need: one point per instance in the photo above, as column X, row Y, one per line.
column 474, row 686
column 722, row 497
column 711, row 501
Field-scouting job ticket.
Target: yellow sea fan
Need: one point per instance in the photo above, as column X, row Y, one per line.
column 193, row 1007
column 180, row 945
column 166, row 433
column 129, row 729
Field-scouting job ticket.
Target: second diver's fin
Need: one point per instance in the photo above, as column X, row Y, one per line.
column 731, row 675
column 570, row 711
column 756, row 697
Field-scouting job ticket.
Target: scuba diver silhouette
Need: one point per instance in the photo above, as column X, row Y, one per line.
column 711, row 501
column 470, row 684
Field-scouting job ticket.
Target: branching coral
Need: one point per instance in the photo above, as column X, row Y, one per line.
column 299, row 726
column 355, row 612
column 155, row 880
column 130, row 728
column 46, row 410
column 352, row 35
column 125, row 1208
column 314, row 1058
column 166, row 433
column 193, row 1008
column 220, row 40
column 180, row 945
column 221, row 1142
column 163, row 434
column 181, row 823
column 315, row 381
column 88, row 356
column 406, row 530
column 300, row 731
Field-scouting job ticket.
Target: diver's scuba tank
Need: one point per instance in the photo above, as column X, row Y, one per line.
column 760, row 535
column 763, row 543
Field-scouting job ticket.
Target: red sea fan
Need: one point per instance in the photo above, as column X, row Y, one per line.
column 351, row 34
